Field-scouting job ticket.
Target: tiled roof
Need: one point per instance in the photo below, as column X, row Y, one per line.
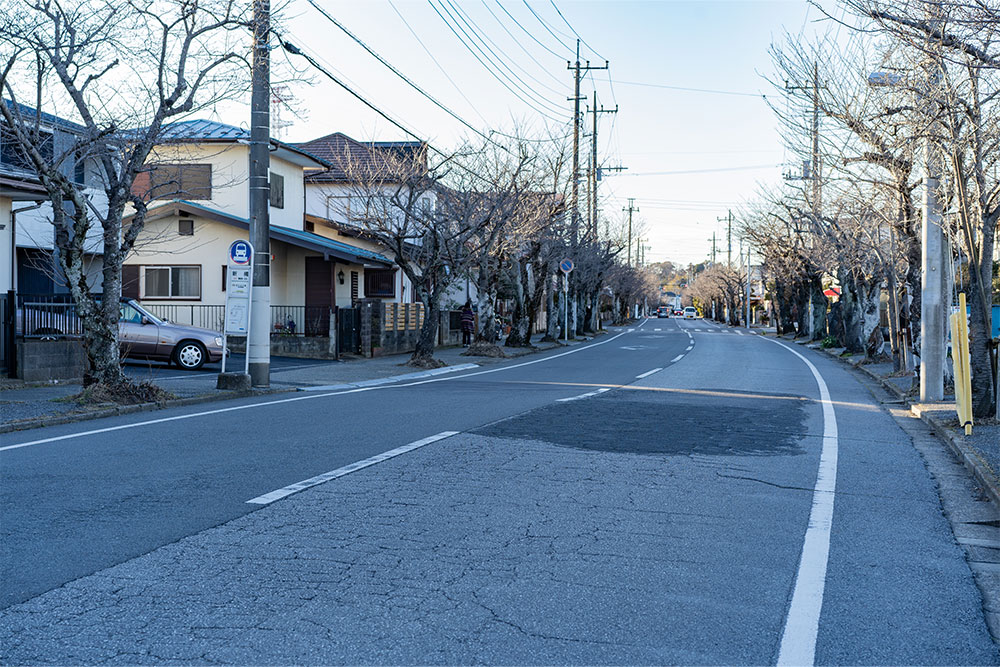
column 348, row 155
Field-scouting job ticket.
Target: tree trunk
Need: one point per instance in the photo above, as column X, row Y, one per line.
column 423, row 355
column 819, row 305
column 520, row 327
column 980, row 327
column 553, row 316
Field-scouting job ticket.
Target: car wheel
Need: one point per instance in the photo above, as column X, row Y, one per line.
column 190, row 355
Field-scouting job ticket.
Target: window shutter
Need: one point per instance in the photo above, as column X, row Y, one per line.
column 130, row 281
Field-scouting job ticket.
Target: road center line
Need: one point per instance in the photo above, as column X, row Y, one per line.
column 346, row 470
column 307, row 397
column 798, row 641
column 648, row 373
column 677, row 358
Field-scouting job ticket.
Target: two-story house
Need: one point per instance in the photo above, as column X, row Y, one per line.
column 28, row 263
column 197, row 187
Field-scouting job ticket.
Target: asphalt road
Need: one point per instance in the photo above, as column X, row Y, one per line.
column 656, row 496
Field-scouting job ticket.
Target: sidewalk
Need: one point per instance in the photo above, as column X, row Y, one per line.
column 25, row 406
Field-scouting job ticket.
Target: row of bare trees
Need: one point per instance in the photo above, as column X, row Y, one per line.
column 496, row 214
column 912, row 92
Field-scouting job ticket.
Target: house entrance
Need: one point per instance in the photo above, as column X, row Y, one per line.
column 319, row 295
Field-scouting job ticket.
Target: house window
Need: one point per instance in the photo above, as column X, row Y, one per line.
column 310, row 226
column 171, row 282
column 178, row 181
column 380, row 283
column 185, row 227
column 277, row 183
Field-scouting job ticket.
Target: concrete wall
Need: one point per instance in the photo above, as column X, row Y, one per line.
column 39, row 360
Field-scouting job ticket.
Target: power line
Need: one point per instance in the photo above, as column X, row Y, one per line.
column 546, row 26
column 528, row 32
column 435, row 60
column 691, row 90
column 487, row 67
column 400, row 74
column 704, row 171
column 574, row 30
column 483, row 37
column 520, row 44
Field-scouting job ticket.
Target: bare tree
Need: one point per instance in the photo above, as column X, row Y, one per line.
column 120, row 69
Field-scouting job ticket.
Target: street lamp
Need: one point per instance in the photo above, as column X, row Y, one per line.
column 932, row 278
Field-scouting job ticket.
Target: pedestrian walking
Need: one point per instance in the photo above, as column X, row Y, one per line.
column 468, row 323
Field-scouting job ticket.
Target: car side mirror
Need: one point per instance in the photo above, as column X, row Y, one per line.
column 145, row 320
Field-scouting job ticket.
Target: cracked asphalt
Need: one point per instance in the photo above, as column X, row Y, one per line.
column 660, row 522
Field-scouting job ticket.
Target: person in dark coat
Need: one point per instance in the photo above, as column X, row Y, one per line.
column 468, row 323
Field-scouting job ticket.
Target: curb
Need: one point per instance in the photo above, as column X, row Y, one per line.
column 968, row 456
column 71, row 418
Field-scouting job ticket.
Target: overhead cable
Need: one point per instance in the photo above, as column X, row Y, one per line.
column 528, row 32
column 402, row 76
column 476, row 39
column 574, row 30
column 691, row 90
column 494, row 74
column 546, row 26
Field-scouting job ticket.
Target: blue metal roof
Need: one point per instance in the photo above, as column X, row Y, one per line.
column 211, row 130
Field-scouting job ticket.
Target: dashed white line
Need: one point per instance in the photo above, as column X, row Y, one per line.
column 738, row 332
column 346, row 470
column 648, row 373
column 677, row 358
column 689, row 348
column 587, row 395
column 656, row 329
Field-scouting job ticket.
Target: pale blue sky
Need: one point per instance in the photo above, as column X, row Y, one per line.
column 710, row 45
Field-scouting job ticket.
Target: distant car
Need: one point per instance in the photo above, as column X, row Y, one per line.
column 690, row 313
column 663, row 311
column 678, row 312
column 141, row 335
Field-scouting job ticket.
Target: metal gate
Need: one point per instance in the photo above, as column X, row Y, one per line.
column 8, row 322
column 349, row 330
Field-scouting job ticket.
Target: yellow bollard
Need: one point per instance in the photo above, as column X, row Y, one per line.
column 960, row 360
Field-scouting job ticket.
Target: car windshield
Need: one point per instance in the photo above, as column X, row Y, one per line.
column 130, row 312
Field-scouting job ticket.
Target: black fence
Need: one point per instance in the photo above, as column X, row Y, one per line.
column 8, row 332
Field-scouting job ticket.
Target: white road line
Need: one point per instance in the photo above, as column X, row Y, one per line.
column 689, row 348
column 738, row 332
column 689, row 335
column 798, row 641
column 656, row 330
column 677, row 358
column 346, row 470
column 587, row 395
column 306, row 397
column 648, row 373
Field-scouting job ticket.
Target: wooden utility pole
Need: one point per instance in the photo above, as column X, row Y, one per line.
column 578, row 71
column 259, row 340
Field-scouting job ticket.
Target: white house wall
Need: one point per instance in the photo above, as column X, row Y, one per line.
column 6, row 245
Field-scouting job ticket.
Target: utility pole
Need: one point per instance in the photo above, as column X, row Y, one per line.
column 713, row 247
column 748, row 287
column 933, row 318
column 578, row 71
column 259, row 340
column 631, row 207
column 729, row 237
column 594, row 172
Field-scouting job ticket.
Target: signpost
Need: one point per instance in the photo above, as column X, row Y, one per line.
column 239, row 274
column 566, row 266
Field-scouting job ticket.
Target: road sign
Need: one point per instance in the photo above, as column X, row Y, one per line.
column 240, row 253
column 566, row 265
column 239, row 274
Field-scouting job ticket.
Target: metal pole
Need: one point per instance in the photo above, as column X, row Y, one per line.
column 748, row 288
column 932, row 307
column 566, row 306
column 258, row 360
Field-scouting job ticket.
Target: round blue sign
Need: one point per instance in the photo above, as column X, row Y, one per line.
column 240, row 252
column 566, row 265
